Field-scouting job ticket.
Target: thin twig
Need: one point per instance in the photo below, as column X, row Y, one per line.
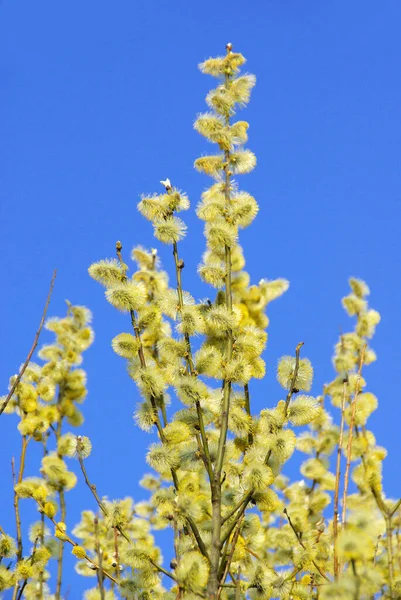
column 74, row 544
column 179, row 265
column 227, row 561
column 141, row 355
column 395, row 508
column 99, row 554
column 116, row 555
column 60, row 547
column 292, row 389
column 215, row 487
column 350, row 434
column 32, row 557
column 104, row 510
column 32, row 350
column 338, row 476
column 248, row 411
column 25, row 440
column 298, row 536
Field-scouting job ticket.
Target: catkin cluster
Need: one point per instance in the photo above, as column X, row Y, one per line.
column 240, row 528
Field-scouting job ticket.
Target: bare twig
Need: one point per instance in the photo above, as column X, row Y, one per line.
column 32, row 350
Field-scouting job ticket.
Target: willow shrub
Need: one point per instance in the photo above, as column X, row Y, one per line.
column 241, row 528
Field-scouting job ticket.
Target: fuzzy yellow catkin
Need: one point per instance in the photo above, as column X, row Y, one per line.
column 78, row 551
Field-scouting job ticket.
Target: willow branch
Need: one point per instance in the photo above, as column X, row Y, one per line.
column 32, row 350
column 337, row 485
column 25, row 440
column 297, row 535
column 395, row 508
column 246, row 498
column 179, row 265
column 142, row 360
column 74, row 544
column 350, row 435
column 248, row 410
column 60, row 548
column 292, row 389
column 99, row 554
column 104, row 510
column 31, row 559
column 226, row 561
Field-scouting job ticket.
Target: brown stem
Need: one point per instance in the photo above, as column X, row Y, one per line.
column 390, row 557
column 70, row 541
column 104, row 510
column 142, row 360
column 60, row 547
column 298, row 536
column 291, row 391
column 212, row 587
column 32, row 558
column 337, row 485
column 248, row 411
column 25, row 440
column 99, row 554
column 350, row 435
column 179, row 265
column 226, row 561
column 32, row 350
column 116, row 555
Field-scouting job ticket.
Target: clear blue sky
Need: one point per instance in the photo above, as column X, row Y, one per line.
column 97, row 104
